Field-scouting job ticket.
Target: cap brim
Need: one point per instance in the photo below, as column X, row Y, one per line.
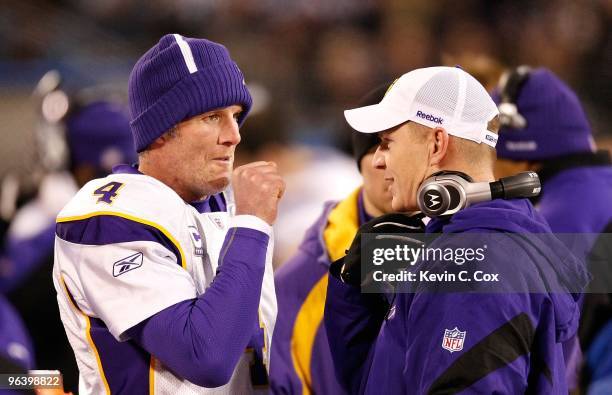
column 374, row 118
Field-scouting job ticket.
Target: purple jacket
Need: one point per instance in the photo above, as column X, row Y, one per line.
column 300, row 360
column 15, row 343
column 577, row 200
column 513, row 342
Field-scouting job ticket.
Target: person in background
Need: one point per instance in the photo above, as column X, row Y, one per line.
column 314, row 174
column 97, row 135
column 486, row 69
column 545, row 129
column 301, row 361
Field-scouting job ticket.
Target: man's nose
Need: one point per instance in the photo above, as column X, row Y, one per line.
column 230, row 134
column 378, row 161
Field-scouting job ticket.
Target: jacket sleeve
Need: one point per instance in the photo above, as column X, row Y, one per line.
column 352, row 320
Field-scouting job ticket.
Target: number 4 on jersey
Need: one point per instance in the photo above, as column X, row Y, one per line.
column 108, row 192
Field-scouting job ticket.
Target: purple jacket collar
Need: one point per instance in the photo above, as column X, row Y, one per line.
column 515, row 216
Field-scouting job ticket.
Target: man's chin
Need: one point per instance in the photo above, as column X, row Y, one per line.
column 216, row 186
column 397, row 205
column 400, row 206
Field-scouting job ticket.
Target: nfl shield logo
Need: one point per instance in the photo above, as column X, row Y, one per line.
column 453, row 339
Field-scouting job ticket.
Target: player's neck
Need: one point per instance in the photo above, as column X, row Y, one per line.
column 169, row 178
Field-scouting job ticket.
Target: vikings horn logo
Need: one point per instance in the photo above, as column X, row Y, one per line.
column 196, row 239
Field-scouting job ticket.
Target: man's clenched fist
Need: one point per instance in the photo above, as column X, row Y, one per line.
column 257, row 189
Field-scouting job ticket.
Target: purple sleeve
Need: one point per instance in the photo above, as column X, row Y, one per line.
column 14, row 333
column 202, row 339
column 352, row 320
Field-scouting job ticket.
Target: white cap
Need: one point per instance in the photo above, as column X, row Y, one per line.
column 446, row 97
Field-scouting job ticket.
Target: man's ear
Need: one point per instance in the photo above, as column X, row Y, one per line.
column 164, row 138
column 534, row 166
column 158, row 142
column 440, row 145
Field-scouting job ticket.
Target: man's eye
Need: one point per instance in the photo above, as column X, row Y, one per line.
column 212, row 117
column 237, row 116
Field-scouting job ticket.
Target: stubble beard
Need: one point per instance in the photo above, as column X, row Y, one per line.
column 204, row 186
column 216, row 186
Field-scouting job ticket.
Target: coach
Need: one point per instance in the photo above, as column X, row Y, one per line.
column 441, row 119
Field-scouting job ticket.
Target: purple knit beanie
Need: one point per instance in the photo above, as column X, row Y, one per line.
column 99, row 135
column 180, row 78
column 556, row 122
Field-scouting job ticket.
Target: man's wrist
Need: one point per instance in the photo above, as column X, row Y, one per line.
column 250, row 222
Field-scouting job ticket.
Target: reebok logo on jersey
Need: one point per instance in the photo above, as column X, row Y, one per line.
column 126, row 264
column 429, row 117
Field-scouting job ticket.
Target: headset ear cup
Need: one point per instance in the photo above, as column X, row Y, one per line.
column 510, row 87
column 433, row 199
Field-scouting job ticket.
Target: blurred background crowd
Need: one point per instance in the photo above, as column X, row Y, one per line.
column 304, row 60
column 307, row 59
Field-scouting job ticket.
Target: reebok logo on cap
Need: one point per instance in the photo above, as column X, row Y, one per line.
column 521, row 145
column 429, row 117
column 435, row 97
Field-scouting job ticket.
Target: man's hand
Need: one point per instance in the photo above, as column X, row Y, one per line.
column 348, row 269
column 257, row 189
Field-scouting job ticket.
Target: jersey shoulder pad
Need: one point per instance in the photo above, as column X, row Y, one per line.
column 126, row 195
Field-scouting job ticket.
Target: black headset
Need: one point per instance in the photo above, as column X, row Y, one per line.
column 446, row 192
column 510, row 85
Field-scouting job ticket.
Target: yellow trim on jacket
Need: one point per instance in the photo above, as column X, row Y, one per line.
column 342, row 225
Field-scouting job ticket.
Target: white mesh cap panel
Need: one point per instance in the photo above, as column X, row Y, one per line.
column 440, row 92
column 478, row 105
column 445, row 97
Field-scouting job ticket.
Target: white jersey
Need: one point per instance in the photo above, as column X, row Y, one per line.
column 151, row 250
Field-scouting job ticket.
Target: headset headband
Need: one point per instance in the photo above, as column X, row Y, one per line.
column 513, row 83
